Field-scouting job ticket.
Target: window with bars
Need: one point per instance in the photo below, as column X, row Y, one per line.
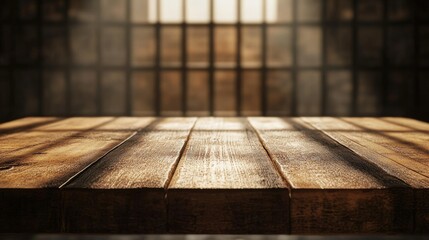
column 214, row 57
column 209, row 57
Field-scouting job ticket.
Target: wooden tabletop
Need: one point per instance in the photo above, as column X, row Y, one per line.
column 310, row 175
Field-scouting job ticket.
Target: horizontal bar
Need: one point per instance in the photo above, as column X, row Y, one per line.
column 178, row 24
column 145, row 68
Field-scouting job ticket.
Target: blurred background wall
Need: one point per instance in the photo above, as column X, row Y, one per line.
column 214, row 57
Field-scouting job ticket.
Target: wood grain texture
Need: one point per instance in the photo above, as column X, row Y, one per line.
column 376, row 147
column 316, row 175
column 226, row 183
column 398, row 146
column 125, row 191
column 333, row 190
column 49, row 155
column 40, row 160
column 98, row 124
column 407, row 123
column 24, row 124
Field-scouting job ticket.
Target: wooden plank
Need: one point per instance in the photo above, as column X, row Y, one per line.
column 408, row 122
column 24, row 124
column 124, row 192
column 399, row 147
column 333, row 190
column 34, row 164
column 37, row 139
column 98, row 124
column 397, row 157
column 226, row 183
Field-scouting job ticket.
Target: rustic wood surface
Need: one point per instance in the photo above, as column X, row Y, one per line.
column 333, row 190
column 24, row 124
column 312, row 175
column 399, row 146
column 225, row 176
column 139, row 171
column 42, row 159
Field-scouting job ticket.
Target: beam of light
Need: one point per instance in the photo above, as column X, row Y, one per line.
column 225, row 11
column 271, row 11
column 251, row 11
column 197, row 11
column 152, row 11
column 171, row 11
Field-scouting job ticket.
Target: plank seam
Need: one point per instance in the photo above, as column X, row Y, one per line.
column 182, row 151
column 173, row 171
column 61, row 215
column 97, row 160
column 132, row 134
column 278, row 169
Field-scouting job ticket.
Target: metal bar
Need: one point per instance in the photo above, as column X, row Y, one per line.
column 294, row 57
column 158, row 60
column 128, row 93
column 184, row 59
column 264, row 59
column 211, row 58
column 324, row 57
column 385, row 73
column 268, row 68
column 278, row 24
column 355, row 84
column 416, row 94
column 68, row 57
column 12, row 59
column 99, row 56
column 238, row 60
column 40, row 57
column 107, row 67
